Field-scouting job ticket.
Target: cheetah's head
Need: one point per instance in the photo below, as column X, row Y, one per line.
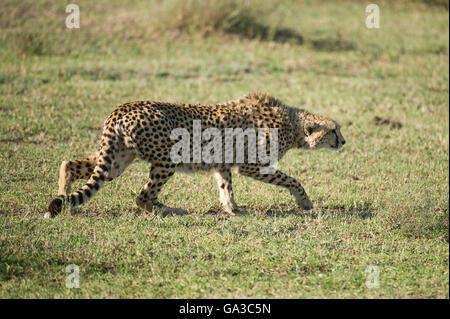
column 321, row 132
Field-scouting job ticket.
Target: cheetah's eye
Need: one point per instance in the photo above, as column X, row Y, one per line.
column 309, row 128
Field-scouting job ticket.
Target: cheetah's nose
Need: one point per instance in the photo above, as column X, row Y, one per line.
column 343, row 142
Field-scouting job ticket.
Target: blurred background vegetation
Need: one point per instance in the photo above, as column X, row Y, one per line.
column 36, row 28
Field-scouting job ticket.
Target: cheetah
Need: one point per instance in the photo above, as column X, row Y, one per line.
column 143, row 129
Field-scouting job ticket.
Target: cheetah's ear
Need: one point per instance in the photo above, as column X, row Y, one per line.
column 309, row 128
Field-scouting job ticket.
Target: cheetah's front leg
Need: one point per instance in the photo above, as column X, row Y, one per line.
column 148, row 198
column 223, row 178
column 280, row 179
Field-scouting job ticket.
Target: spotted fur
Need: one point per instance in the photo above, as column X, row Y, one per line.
column 142, row 129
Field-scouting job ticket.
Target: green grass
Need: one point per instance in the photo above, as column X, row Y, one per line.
column 382, row 200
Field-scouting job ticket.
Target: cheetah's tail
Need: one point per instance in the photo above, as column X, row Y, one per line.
column 95, row 182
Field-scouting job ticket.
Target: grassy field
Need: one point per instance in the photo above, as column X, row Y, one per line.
column 383, row 200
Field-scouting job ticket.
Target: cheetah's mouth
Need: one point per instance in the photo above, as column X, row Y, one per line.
column 332, row 148
column 336, row 147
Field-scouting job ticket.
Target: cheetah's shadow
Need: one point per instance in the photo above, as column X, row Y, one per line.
column 359, row 212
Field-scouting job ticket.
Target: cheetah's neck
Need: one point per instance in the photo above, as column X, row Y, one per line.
column 296, row 120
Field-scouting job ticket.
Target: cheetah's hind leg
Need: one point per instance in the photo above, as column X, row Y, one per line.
column 148, row 198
